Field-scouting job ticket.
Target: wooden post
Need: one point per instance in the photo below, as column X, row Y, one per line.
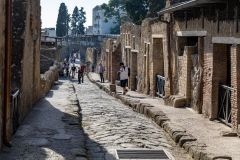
column 7, row 130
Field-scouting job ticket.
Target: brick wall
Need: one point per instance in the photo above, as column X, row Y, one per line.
column 132, row 55
column 235, row 82
column 185, row 67
column 116, row 57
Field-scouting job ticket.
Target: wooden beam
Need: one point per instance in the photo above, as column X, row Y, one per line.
column 7, row 128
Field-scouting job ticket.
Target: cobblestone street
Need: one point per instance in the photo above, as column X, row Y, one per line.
column 54, row 130
column 112, row 125
column 51, row 131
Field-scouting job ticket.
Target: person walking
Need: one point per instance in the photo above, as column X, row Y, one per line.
column 81, row 71
column 101, row 71
column 73, row 70
column 123, row 72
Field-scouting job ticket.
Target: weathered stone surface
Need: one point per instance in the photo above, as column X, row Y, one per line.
column 177, row 135
column 111, row 124
column 161, row 119
column 185, row 139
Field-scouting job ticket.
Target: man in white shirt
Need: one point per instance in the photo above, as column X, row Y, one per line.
column 123, row 77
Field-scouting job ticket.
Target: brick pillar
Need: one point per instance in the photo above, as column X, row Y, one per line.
column 235, row 82
column 147, row 67
column 107, row 66
column 133, row 71
column 116, row 59
column 185, row 67
column 110, row 60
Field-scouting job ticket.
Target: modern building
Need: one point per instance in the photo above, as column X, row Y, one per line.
column 101, row 25
column 89, row 30
column 50, row 32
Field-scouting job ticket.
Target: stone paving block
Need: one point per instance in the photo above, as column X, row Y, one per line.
column 177, row 135
column 185, row 139
column 160, row 120
column 172, row 128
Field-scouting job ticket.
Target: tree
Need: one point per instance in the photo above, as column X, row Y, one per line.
column 74, row 20
column 77, row 21
column 135, row 11
column 81, row 21
column 62, row 21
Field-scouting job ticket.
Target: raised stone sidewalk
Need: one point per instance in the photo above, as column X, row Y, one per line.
column 201, row 138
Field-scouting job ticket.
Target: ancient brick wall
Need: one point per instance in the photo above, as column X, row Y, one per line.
column 48, row 79
column 116, row 57
column 218, row 33
column 146, row 39
column 48, row 57
column 235, row 82
column 131, row 47
column 159, row 57
column 185, row 75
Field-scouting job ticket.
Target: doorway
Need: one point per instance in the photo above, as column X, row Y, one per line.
column 158, row 76
column 222, row 70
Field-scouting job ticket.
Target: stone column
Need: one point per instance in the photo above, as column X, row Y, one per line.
column 235, row 82
column 133, row 71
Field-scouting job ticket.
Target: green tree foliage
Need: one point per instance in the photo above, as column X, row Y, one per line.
column 77, row 21
column 74, row 20
column 135, row 11
column 62, row 21
column 82, row 20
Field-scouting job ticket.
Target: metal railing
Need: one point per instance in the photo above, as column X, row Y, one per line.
column 225, row 109
column 161, row 86
column 15, row 110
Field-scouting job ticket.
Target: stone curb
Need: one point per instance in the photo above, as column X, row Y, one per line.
column 78, row 153
column 185, row 140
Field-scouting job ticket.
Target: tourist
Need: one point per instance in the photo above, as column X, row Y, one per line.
column 123, row 72
column 73, row 69
column 101, row 70
column 81, row 71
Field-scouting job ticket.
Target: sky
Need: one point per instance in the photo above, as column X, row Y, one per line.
column 50, row 10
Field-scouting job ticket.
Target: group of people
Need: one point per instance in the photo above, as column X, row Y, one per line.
column 71, row 70
column 123, row 75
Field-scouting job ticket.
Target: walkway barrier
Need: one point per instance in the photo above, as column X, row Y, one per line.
column 225, row 109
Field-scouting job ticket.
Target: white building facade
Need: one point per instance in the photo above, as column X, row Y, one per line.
column 99, row 23
column 50, row 32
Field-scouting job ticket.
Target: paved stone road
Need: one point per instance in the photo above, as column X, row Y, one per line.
column 51, row 131
column 111, row 125
column 54, row 130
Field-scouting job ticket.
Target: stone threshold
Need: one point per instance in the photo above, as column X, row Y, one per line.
column 197, row 150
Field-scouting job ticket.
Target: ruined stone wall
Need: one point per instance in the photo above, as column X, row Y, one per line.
column 146, row 41
column 159, row 58
column 48, row 79
column 93, row 58
column 131, row 46
column 26, row 52
column 2, row 56
column 48, row 57
column 116, row 58
column 220, row 31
